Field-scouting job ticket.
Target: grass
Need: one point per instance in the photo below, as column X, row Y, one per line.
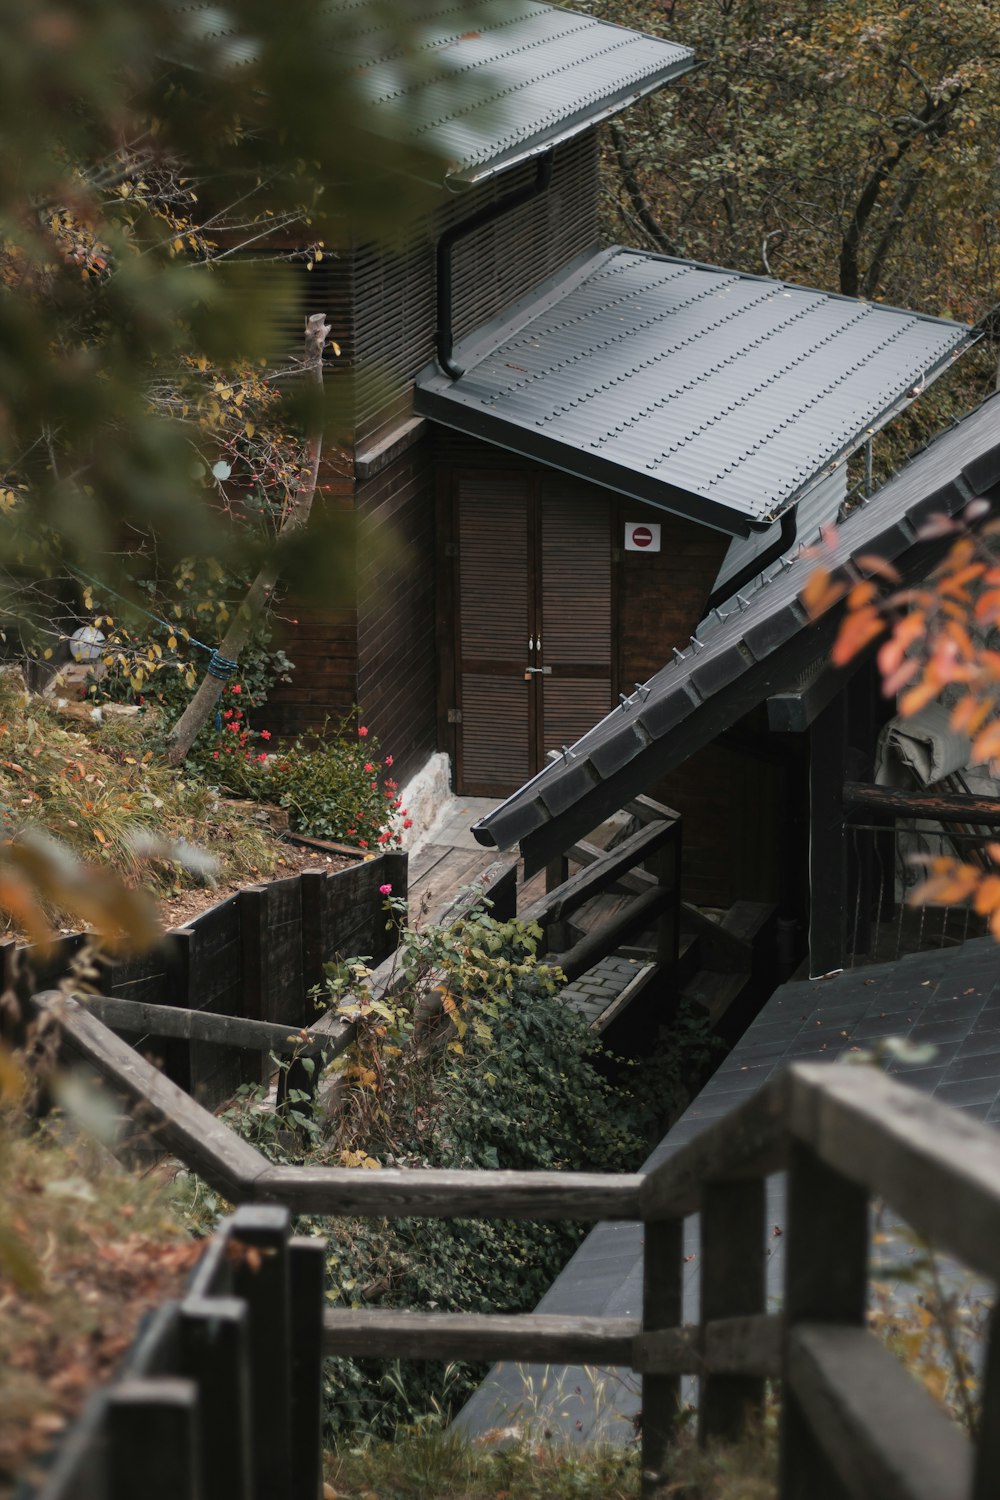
column 85, row 1249
column 433, row 1464
column 101, row 792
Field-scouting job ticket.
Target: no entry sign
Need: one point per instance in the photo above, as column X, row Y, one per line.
column 641, row 536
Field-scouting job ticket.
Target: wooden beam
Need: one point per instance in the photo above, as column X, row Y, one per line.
column 732, row 1285
column 137, row 1017
column 441, row 1194
column 636, row 881
column 880, row 1431
column 938, row 806
column 726, row 1346
column 594, row 946
column 598, row 876
column 228, row 1164
column 528, row 1337
column 936, row 1167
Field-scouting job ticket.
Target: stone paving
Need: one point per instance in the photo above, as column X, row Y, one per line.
column 600, row 986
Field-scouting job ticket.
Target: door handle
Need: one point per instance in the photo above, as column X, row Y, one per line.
column 544, row 671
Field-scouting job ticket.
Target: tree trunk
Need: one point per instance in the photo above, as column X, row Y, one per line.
column 198, row 711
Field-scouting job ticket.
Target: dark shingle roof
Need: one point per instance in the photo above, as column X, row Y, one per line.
column 481, row 96
column 713, row 394
column 754, row 652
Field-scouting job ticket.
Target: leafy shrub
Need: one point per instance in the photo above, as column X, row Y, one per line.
column 339, row 789
column 475, row 1063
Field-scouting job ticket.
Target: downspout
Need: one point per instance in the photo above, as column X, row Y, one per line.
column 778, row 548
column 444, row 338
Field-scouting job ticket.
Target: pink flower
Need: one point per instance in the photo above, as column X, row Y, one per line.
column 388, row 760
column 236, row 688
column 385, row 890
column 260, row 757
column 362, row 731
column 407, row 822
column 369, row 767
column 215, row 754
column 265, row 734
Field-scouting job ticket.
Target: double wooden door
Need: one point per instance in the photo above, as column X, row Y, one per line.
column 533, row 626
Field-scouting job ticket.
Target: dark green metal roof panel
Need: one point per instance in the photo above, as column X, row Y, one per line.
column 484, row 87
column 750, row 654
column 716, row 395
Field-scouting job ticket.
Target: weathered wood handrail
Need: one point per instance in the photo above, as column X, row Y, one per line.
column 139, row 1018
column 940, row 807
column 854, row 1422
column 595, row 878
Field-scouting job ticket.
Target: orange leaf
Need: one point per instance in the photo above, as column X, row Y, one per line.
column 918, row 697
column 868, row 562
column 856, row 631
column 988, row 895
column 986, row 745
column 970, row 714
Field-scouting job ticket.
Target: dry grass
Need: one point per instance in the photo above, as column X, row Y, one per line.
column 98, row 789
column 439, row 1465
column 85, row 1249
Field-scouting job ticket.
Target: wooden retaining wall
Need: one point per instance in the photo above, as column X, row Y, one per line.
column 255, row 955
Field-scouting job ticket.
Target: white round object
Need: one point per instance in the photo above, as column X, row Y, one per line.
column 85, row 644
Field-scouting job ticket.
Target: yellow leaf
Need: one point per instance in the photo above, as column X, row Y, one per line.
column 249, row 429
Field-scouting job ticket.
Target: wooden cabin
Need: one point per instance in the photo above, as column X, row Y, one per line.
column 565, row 455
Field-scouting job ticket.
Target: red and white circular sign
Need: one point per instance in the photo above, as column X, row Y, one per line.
column 642, row 536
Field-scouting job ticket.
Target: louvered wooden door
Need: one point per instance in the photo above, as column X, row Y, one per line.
column 533, row 628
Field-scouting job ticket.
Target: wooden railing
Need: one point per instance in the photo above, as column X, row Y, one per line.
column 854, row 1422
column 645, row 865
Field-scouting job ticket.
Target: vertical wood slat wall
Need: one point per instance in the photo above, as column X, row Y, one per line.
column 394, row 289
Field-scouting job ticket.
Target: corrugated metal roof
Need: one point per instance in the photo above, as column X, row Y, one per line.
column 753, row 653
column 717, row 395
column 481, row 96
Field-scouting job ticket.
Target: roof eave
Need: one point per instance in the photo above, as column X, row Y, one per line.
column 462, row 177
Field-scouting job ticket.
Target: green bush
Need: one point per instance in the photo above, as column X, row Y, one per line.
column 340, row 789
column 476, row 1063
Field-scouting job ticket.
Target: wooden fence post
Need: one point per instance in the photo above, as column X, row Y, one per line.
column 260, row 1238
column 153, row 1440
column 307, row 1278
column 732, row 1285
column 662, row 1291
column 312, row 884
column 664, row 865
column 557, row 934
column 986, row 1484
column 826, row 1281
column 215, row 1352
column 253, row 912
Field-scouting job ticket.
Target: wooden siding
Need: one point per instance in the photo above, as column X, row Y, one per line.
column 394, row 288
column 397, row 675
column 321, row 641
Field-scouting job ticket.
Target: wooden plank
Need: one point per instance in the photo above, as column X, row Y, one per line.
column 585, row 853
column 732, row 1285
column 646, row 976
column 748, row 1142
column 157, row 1416
column 598, row 876
column 214, row 1352
column 134, row 1017
column 938, row 806
column 726, row 1346
column 259, row 1237
column 987, row 1464
column 881, row 1432
column 307, row 1280
column 662, row 1309
column 722, row 948
column 440, row 1194
column 529, row 1337
column 625, row 923
column 827, row 840
column 647, row 809
column 936, row 1167
column 228, row 1164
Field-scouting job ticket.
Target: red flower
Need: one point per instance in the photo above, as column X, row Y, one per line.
column 369, row 767
column 362, row 731
column 215, row 754
column 388, row 760
column 407, row 822
column 236, row 688
column 265, row 734
column 363, row 843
